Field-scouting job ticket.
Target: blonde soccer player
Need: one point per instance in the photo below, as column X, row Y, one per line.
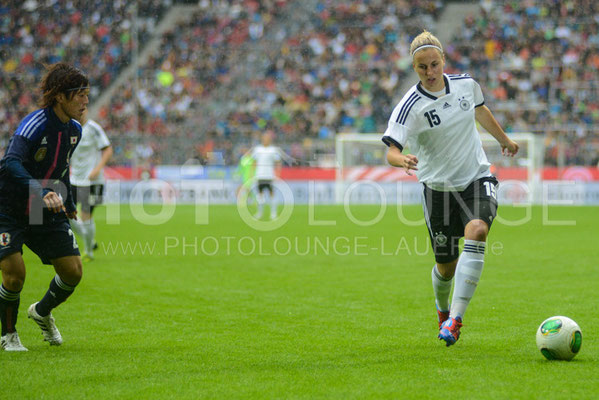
column 436, row 120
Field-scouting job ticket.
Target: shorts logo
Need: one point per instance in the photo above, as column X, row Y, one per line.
column 440, row 239
column 40, row 154
column 4, row 239
column 464, row 104
column 73, row 139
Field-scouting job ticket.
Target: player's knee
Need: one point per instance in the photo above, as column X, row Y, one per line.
column 476, row 230
column 14, row 282
column 73, row 273
column 77, row 271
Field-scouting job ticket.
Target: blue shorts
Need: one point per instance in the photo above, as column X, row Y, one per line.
column 52, row 239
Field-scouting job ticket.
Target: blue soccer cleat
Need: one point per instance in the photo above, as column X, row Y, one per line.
column 450, row 330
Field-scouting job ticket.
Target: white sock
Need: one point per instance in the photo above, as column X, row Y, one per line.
column 260, row 200
column 77, row 227
column 91, row 236
column 467, row 276
column 273, row 207
column 88, row 237
column 442, row 288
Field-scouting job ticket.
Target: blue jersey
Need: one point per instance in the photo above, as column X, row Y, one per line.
column 37, row 161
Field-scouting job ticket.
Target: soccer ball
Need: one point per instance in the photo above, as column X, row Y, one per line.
column 559, row 338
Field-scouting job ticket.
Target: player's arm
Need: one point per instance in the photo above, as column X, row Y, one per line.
column 15, row 155
column 394, row 136
column 69, row 206
column 396, row 158
column 485, row 118
column 106, row 155
column 285, row 157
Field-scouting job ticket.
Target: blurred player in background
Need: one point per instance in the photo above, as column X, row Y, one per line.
column 268, row 163
column 436, row 120
column 246, row 170
column 36, row 201
column 87, row 178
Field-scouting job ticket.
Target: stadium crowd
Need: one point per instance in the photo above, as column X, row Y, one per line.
column 305, row 70
column 175, row 86
column 94, row 35
column 336, row 71
column 538, row 62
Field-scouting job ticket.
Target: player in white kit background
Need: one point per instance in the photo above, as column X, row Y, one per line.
column 87, row 178
column 267, row 159
column 436, row 121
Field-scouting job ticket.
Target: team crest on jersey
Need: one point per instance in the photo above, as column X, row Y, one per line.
column 464, row 104
column 40, row 154
column 4, row 239
column 73, row 139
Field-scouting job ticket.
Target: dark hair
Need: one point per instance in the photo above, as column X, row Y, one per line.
column 61, row 78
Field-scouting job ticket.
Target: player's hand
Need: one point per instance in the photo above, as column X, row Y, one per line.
column 410, row 162
column 93, row 175
column 510, row 148
column 53, row 202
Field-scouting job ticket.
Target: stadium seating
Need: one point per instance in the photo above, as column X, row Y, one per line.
column 337, row 69
column 538, row 63
column 94, row 35
column 305, row 70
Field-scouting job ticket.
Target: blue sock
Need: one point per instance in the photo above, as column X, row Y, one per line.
column 56, row 294
column 9, row 309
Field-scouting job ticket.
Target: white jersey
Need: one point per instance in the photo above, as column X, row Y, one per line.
column 441, row 132
column 266, row 158
column 88, row 154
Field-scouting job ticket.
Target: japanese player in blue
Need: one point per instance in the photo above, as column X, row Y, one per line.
column 436, row 121
column 36, row 202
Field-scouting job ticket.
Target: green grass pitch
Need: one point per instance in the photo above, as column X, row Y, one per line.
column 310, row 310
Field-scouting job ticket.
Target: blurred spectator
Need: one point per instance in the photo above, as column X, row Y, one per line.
column 539, row 61
column 93, row 35
column 336, row 70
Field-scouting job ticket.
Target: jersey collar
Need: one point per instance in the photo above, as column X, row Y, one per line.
column 430, row 96
column 55, row 120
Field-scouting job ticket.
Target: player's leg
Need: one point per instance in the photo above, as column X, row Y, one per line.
column 13, row 277
column 273, row 201
column 84, row 225
column 55, row 244
column 478, row 208
column 69, row 271
column 470, row 266
column 445, row 229
column 260, row 199
column 78, row 193
column 96, row 198
column 68, row 274
column 434, row 207
column 89, row 233
column 442, row 277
